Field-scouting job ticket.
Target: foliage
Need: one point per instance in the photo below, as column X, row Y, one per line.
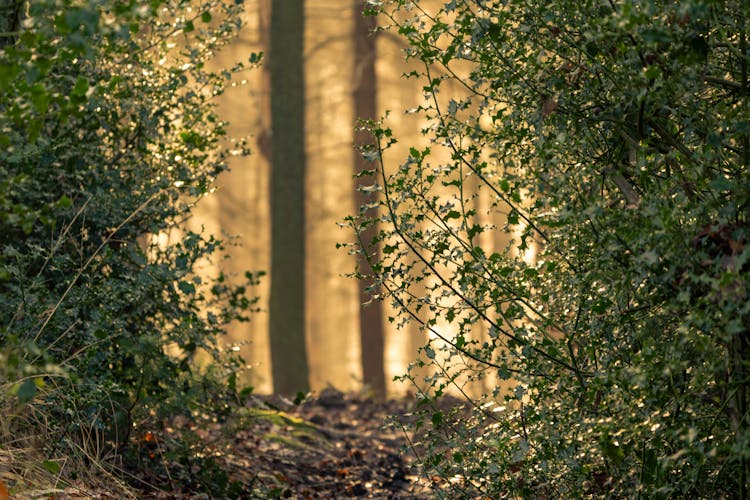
column 109, row 137
column 611, row 140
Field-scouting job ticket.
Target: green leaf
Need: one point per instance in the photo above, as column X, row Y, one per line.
column 206, row 17
column 601, row 305
column 34, row 128
column 64, row 202
column 25, row 391
column 181, row 262
column 450, row 315
column 611, row 449
column 40, row 97
column 429, row 352
column 513, row 218
column 721, row 183
column 192, row 138
column 51, row 467
column 437, row 418
column 299, row 398
column 186, row 287
column 474, row 230
column 81, row 87
column 460, row 341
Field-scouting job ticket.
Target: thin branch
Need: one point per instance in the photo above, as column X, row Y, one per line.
column 449, row 285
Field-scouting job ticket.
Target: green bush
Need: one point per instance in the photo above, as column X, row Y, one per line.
column 109, row 137
column 612, row 139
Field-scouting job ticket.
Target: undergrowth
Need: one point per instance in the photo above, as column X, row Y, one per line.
column 109, row 138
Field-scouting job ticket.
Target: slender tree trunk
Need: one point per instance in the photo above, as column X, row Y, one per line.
column 11, row 13
column 287, row 300
column 365, row 98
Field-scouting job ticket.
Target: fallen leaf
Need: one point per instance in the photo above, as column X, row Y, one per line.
column 549, row 106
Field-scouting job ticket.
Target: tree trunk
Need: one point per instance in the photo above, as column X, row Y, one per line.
column 11, row 13
column 365, row 98
column 287, row 296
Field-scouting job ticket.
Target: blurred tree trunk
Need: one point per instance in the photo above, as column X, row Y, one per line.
column 365, row 102
column 11, row 13
column 287, row 296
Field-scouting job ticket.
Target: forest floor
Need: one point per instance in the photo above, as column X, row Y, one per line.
column 331, row 446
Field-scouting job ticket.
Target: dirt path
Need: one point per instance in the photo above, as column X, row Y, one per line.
column 347, row 454
column 332, row 446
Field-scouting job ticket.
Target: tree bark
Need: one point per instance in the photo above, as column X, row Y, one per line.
column 11, row 13
column 287, row 296
column 365, row 104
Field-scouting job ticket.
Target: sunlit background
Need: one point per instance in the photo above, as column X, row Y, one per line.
column 240, row 207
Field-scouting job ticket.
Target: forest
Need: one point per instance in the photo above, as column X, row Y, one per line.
column 374, row 249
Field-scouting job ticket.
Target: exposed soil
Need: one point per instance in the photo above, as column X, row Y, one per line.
column 331, row 446
column 358, row 456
